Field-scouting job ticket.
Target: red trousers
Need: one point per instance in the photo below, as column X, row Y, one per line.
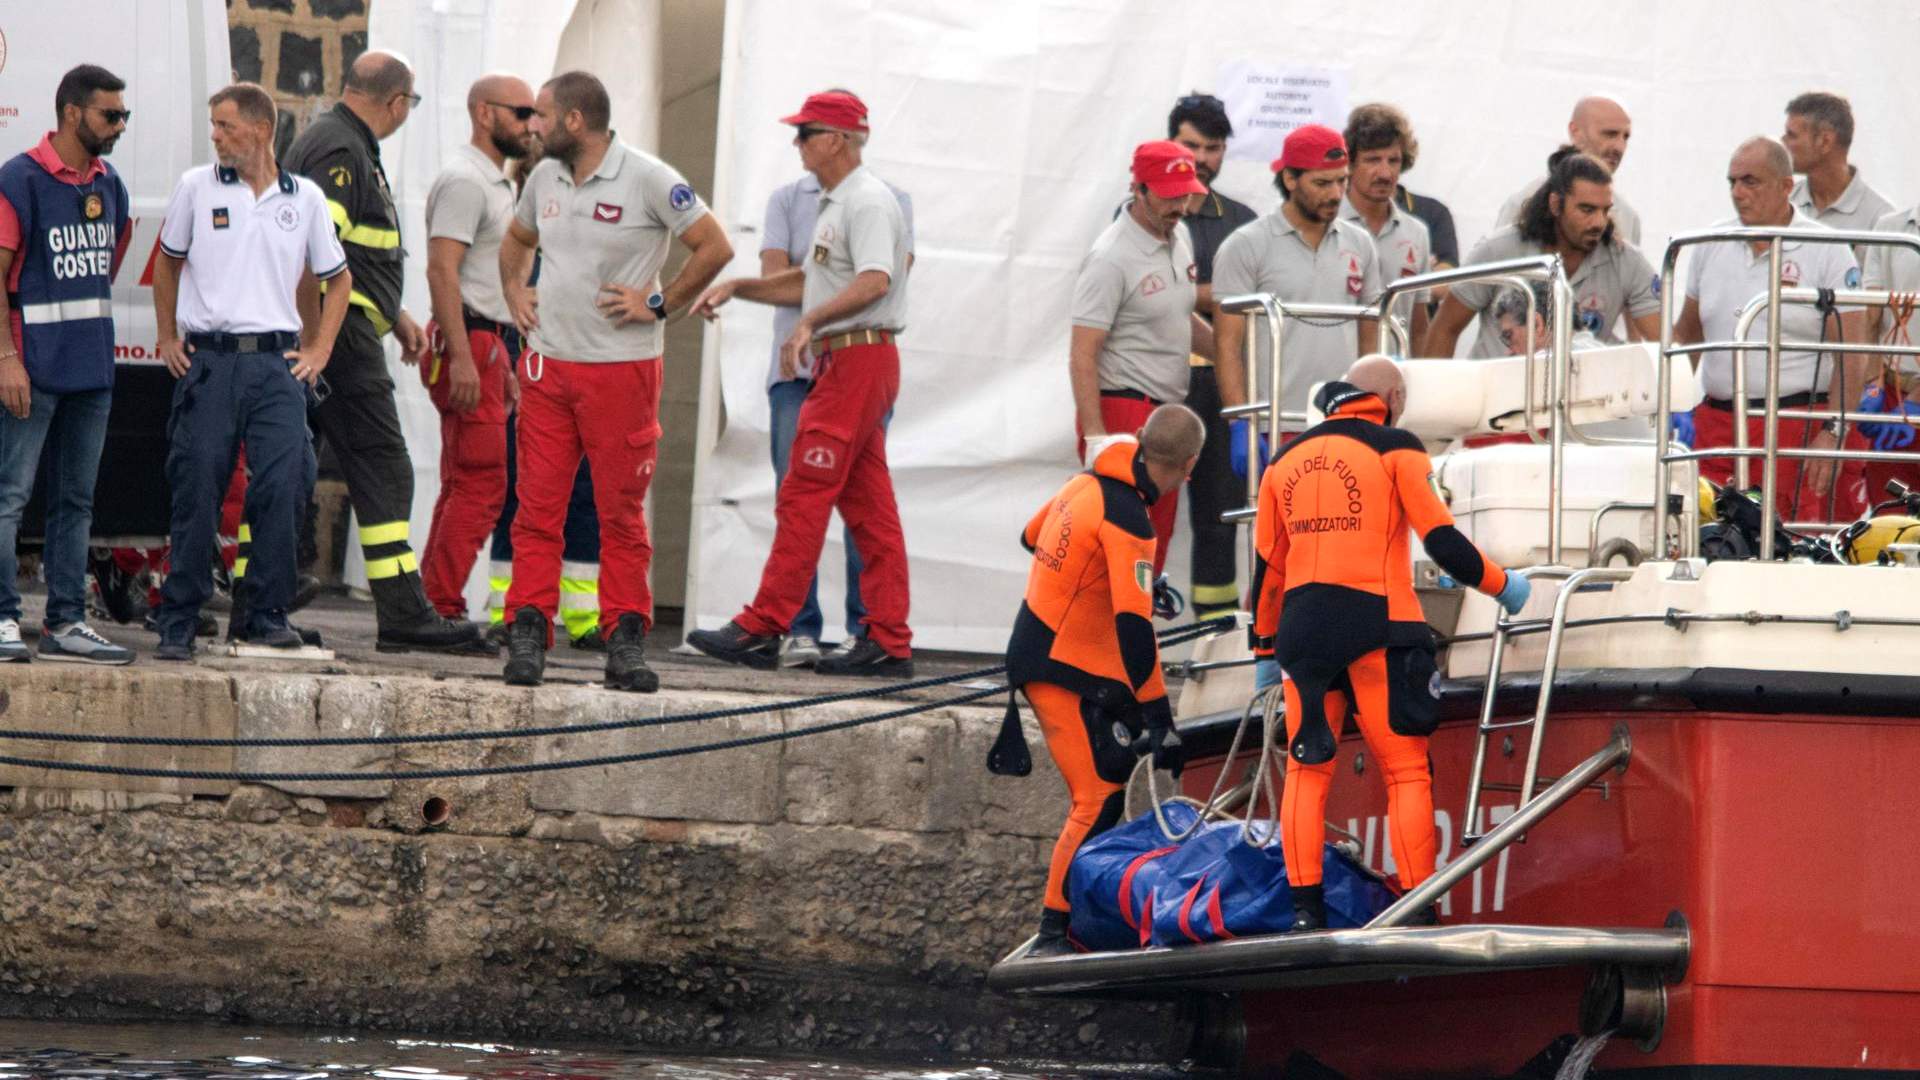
column 611, row 413
column 473, row 472
column 839, row 461
column 1125, row 416
column 1794, row 496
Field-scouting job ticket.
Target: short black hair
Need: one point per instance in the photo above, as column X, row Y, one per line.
column 78, row 86
column 1207, row 114
column 582, row 92
column 1284, row 181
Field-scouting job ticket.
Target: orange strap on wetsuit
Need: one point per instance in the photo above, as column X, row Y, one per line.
column 1334, row 604
column 1083, row 647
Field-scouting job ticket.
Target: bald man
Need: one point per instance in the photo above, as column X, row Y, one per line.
column 473, row 340
column 340, row 151
column 1728, row 274
column 1600, row 129
column 1334, row 607
column 1083, row 648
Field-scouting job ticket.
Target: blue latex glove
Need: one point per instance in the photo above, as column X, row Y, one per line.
column 1266, row 673
column 1682, row 427
column 1885, row 436
column 1513, row 595
column 1446, row 582
column 1237, row 448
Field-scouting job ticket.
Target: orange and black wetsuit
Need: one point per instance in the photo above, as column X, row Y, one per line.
column 1083, row 647
column 1334, row 604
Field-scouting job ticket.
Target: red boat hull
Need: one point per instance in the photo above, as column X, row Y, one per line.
column 1786, row 841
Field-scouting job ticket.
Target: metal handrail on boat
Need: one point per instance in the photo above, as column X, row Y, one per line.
column 1770, row 301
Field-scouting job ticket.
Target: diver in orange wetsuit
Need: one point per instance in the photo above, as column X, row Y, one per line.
column 1334, row 608
column 1083, row 647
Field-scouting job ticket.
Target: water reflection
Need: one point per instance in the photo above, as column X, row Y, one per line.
column 166, row 1051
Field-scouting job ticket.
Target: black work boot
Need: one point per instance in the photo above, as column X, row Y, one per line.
column 407, row 621
column 526, row 648
column 865, row 658
column 627, row 657
column 1309, row 908
column 733, row 644
column 1052, row 938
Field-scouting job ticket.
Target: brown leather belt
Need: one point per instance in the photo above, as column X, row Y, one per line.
column 836, row 342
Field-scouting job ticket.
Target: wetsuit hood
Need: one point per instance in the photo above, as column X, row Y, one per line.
column 1122, row 460
column 1344, row 401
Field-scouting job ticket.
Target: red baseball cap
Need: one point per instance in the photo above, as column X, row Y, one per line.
column 834, row 109
column 1166, row 168
column 1310, row 147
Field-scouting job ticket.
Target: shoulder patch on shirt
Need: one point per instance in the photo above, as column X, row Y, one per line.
column 340, row 175
column 1853, row 277
column 1143, row 574
column 681, row 197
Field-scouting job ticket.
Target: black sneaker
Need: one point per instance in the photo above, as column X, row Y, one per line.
column 527, row 648
column 865, row 658
column 733, row 644
column 269, row 630
column 627, row 657
column 433, row 632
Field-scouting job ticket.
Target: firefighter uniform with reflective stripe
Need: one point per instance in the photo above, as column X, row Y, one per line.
column 339, row 153
column 1334, row 604
column 1083, row 647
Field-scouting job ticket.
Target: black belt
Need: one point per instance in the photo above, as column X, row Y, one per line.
column 1131, row 395
column 1791, row 401
column 477, row 321
column 277, row 341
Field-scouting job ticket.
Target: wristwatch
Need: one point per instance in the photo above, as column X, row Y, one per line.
column 657, row 303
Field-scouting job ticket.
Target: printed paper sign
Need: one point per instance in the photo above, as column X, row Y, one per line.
column 1266, row 101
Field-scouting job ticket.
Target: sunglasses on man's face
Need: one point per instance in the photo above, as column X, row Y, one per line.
column 114, row 116
column 520, row 112
column 805, row 133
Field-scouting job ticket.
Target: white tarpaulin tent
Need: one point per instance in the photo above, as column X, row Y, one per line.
column 1011, row 121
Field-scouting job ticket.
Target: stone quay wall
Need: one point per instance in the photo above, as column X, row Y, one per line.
column 841, row 892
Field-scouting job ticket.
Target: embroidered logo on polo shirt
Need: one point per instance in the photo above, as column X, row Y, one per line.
column 1411, row 265
column 607, row 212
column 287, row 217
column 1151, row 284
column 1355, row 280
column 681, row 197
column 1789, row 273
column 550, row 209
column 1193, row 271
column 820, row 254
column 220, row 218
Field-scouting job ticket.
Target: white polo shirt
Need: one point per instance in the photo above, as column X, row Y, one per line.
column 1269, row 256
column 1405, row 249
column 1140, row 289
column 1727, row 274
column 613, row 229
column 471, row 201
column 860, row 228
column 245, row 254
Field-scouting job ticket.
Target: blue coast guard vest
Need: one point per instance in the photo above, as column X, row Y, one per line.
column 68, row 233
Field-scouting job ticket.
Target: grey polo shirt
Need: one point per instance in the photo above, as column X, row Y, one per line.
column 860, row 228
column 471, row 201
column 1858, row 207
column 1269, row 256
column 1614, row 280
column 792, row 212
column 1727, row 275
column 1626, row 220
column 1894, row 269
column 1404, row 247
column 613, row 229
column 1141, row 290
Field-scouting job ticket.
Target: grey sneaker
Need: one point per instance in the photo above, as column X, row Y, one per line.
column 11, row 647
column 77, row 643
column 799, row 650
